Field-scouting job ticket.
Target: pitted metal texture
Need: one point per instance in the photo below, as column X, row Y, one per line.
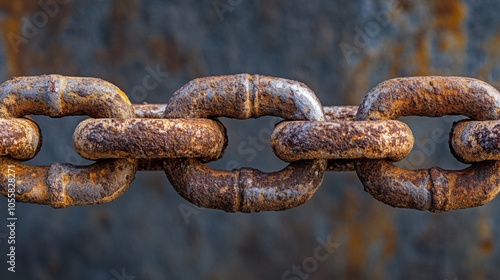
column 181, row 136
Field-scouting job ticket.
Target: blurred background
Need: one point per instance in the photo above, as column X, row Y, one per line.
column 340, row 49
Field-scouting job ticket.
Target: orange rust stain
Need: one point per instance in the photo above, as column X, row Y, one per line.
column 487, row 246
column 57, row 59
column 20, row 19
column 122, row 13
column 485, row 234
column 493, row 53
column 359, row 84
column 367, row 227
column 167, row 49
column 396, row 64
column 11, row 28
column 481, row 249
column 406, row 5
column 412, row 54
column 422, row 55
column 448, row 17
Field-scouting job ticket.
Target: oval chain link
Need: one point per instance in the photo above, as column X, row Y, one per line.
column 63, row 185
column 432, row 189
column 180, row 136
column 246, row 190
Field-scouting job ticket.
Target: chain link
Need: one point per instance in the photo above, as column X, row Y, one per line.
column 432, row 189
column 246, row 190
column 180, row 136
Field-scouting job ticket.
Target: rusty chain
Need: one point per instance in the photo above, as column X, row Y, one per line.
column 181, row 136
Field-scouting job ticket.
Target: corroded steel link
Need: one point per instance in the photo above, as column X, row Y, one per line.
column 340, row 113
column 433, row 189
column 299, row 140
column 247, row 190
column 151, row 111
column 432, row 96
column 180, row 136
column 63, row 185
column 475, row 141
column 245, row 96
column 341, row 165
column 19, row 138
column 154, row 164
column 58, row 96
column 150, row 138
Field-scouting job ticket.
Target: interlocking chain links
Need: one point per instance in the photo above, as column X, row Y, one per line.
column 340, row 113
column 63, row 185
column 433, row 189
column 177, row 136
column 340, row 139
column 246, row 190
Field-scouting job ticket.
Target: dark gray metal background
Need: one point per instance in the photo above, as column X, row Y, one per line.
column 144, row 231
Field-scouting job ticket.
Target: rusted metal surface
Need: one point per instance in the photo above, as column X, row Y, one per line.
column 178, row 138
column 299, row 140
column 245, row 189
column 63, row 185
column 58, row 96
column 432, row 189
column 340, row 113
column 245, row 96
column 341, row 165
column 151, row 164
column 150, row 138
column 432, row 96
column 19, row 138
column 152, row 111
column 475, row 141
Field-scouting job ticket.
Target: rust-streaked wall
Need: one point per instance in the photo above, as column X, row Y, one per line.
column 341, row 49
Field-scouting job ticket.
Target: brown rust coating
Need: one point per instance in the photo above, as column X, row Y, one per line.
column 58, row 96
column 475, row 141
column 434, row 189
column 340, row 165
column 245, row 96
column 19, row 138
column 63, row 185
column 299, row 140
column 151, row 111
column 150, row 138
column 340, row 113
column 245, row 190
column 151, row 164
column 432, row 96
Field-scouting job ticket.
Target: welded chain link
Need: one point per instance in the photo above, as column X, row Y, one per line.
column 181, row 136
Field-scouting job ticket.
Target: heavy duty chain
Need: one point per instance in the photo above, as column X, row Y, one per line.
column 181, row 136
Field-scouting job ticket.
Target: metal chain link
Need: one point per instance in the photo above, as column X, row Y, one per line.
column 179, row 137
